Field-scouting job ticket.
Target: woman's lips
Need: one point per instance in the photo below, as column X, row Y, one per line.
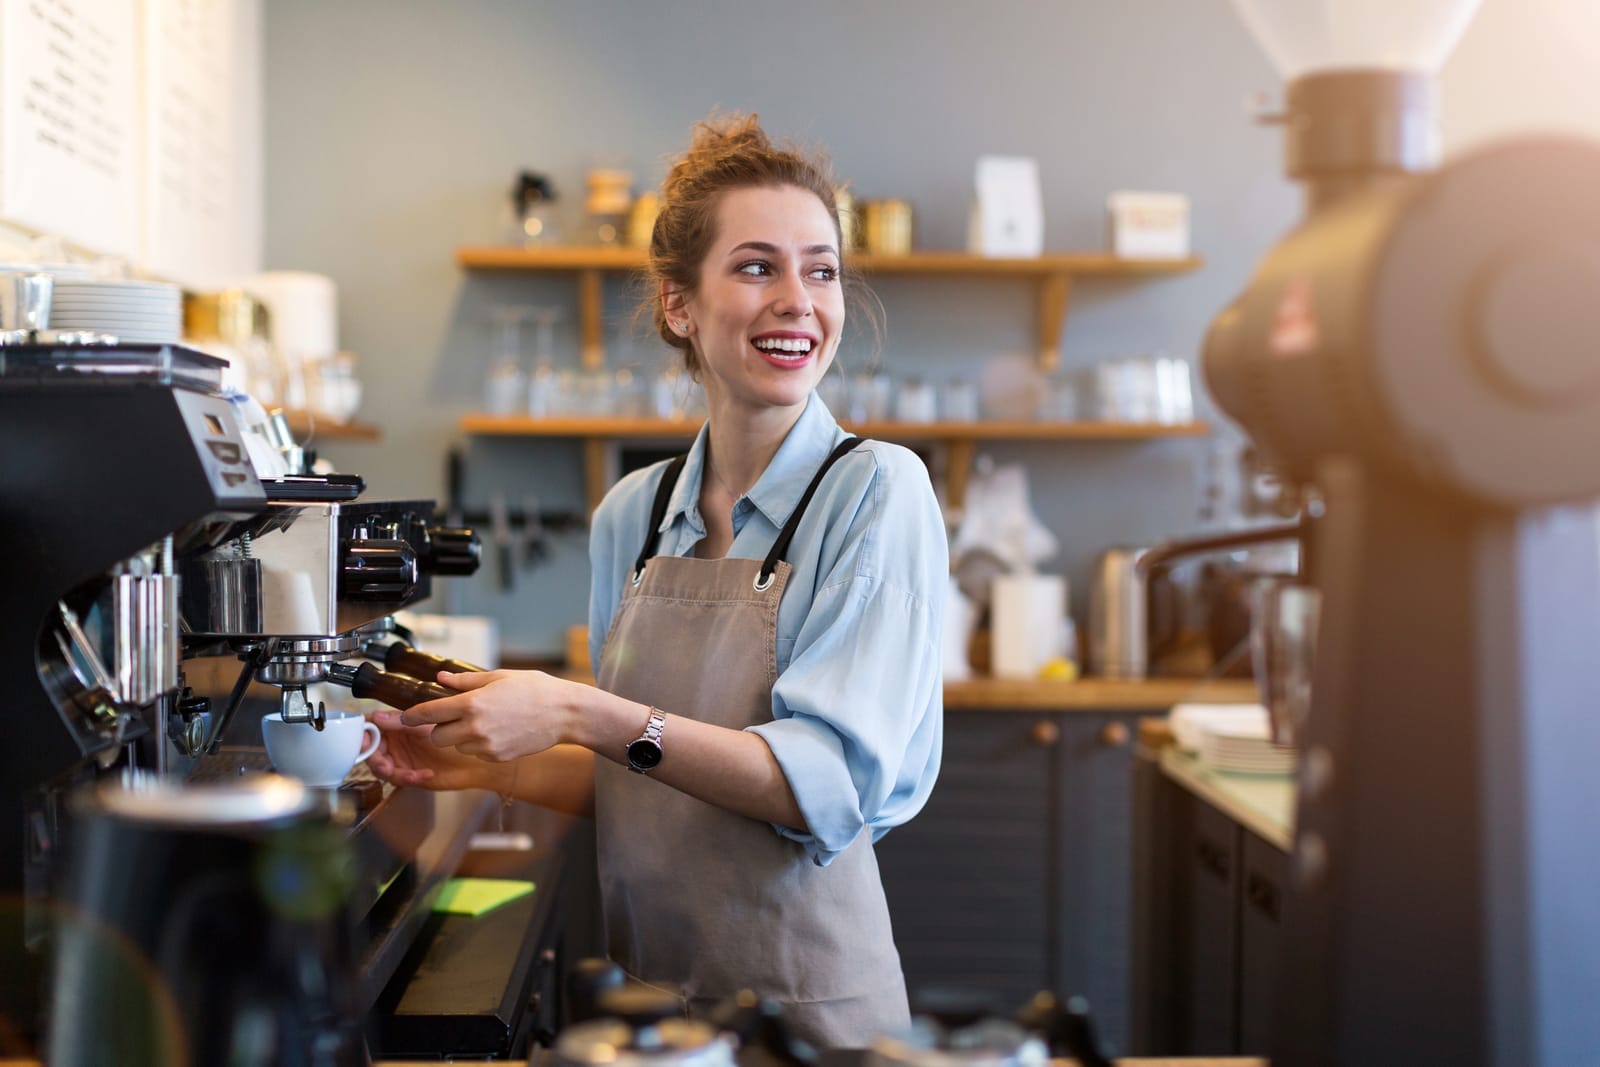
column 784, row 360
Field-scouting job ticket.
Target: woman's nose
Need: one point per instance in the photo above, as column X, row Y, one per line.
column 791, row 296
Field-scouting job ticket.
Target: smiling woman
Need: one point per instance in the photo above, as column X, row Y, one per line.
column 765, row 616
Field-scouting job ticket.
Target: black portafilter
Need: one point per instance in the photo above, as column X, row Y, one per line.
column 587, row 980
column 396, row 690
column 766, row 1039
column 1067, row 1027
column 401, row 658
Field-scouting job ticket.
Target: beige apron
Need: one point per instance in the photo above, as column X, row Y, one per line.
column 700, row 900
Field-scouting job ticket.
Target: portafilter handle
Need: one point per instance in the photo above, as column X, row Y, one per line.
column 367, row 682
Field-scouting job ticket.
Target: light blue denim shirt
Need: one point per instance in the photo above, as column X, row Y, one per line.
column 858, row 708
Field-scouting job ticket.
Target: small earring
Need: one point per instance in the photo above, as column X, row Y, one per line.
column 683, row 328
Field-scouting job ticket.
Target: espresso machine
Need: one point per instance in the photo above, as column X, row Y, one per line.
column 137, row 536
column 1420, row 351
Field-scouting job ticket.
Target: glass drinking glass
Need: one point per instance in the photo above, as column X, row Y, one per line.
column 916, row 402
column 871, row 397
column 543, row 383
column 1283, row 650
column 506, row 385
column 959, row 402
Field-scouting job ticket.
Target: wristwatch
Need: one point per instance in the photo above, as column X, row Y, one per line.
column 644, row 753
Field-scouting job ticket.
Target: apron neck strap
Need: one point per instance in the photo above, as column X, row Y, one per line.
column 652, row 537
column 780, row 547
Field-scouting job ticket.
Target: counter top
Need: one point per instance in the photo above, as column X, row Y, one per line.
column 1022, row 694
column 1261, row 803
column 1209, row 1061
column 1094, row 694
column 1137, row 1061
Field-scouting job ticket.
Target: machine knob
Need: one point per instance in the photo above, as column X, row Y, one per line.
column 378, row 569
column 450, row 550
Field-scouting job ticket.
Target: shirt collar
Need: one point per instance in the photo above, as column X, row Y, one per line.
column 779, row 489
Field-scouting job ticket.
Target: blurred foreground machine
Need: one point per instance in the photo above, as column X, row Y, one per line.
column 1421, row 353
column 135, row 535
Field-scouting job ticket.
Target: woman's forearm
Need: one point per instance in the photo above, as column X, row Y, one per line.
column 560, row 778
column 733, row 769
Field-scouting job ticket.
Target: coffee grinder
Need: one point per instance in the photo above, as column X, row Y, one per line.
column 1420, row 349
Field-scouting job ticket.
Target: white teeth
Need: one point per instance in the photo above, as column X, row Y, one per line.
column 784, row 344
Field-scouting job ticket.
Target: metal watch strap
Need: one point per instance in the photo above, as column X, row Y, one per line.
column 652, row 729
column 651, row 736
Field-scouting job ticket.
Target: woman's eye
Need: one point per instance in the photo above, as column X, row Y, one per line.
column 755, row 267
column 826, row 274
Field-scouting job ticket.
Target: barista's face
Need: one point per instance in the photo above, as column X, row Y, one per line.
column 766, row 318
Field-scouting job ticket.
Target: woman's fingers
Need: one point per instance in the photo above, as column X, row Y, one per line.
column 455, row 735
column 467, row 681
column 443, row 710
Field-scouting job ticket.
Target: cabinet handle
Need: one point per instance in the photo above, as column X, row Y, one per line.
column 1114, row 734
column 1213, row 858
column 1045, row 733
column 1262, row 895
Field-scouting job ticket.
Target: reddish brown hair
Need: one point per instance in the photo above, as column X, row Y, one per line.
column 727, row 153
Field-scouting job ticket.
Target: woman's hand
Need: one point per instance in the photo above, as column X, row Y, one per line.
column 499, row 715
column 407, row 756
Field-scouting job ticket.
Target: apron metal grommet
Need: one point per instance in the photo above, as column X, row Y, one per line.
column 638, row 576
column 764, row 582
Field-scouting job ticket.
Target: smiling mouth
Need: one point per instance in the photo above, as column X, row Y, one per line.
column 782, row 350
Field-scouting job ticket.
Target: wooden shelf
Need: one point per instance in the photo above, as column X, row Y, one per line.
column 1053, row 273
column 309, row 428
column 959, row 438
column 621, row 427
column 601, row 257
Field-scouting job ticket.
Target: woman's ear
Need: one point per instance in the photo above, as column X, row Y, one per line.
column 671, row 299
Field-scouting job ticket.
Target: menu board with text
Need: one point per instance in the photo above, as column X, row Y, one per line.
column 69, row 120
column 202, row 190
column 133, row 128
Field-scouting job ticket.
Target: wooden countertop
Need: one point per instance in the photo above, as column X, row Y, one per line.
column 1007, row 694
column 1138, row 1061
column 1094, row 694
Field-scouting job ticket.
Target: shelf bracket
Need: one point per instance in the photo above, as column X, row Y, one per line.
column 596, row 470
column 958, row 467
column 590, row 290
column 1055, row 291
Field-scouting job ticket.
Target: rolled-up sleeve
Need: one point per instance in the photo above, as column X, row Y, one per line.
column 858, row 712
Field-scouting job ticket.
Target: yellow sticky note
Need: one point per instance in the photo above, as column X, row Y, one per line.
column 474, row 896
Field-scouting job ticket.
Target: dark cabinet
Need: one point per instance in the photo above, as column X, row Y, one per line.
column 1208, row 910
column 1261, row 899
column 1206, row 893
column 1016, row 876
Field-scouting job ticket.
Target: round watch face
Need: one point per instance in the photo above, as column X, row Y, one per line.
column 644, row 755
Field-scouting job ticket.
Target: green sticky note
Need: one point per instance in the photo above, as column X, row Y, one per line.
column 474, row 896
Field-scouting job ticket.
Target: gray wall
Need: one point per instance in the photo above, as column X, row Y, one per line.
column 394, row 129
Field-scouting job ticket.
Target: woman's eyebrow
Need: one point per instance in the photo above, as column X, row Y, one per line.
column 772, row 249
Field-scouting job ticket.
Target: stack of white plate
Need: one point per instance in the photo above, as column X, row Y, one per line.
column 1189, row 721
column 1245, row 748
column 142, row 312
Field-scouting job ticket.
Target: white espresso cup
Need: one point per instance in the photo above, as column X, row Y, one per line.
column 319, row 757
